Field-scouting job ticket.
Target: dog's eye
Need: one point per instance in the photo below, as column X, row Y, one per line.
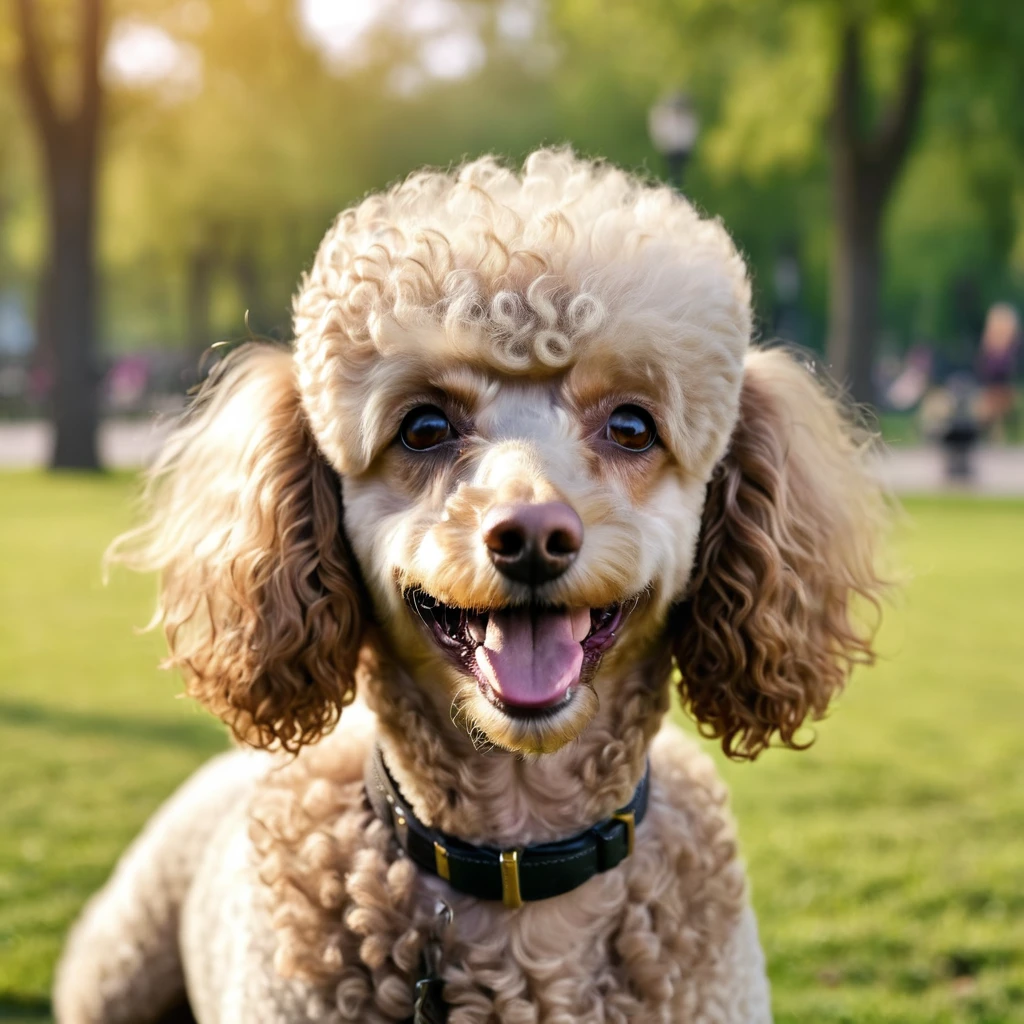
column 425, row 427
column 632, row 428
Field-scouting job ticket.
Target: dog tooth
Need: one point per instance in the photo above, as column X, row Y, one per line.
column 477, row 628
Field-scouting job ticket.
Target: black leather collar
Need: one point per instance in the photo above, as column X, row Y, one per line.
column 514, row 876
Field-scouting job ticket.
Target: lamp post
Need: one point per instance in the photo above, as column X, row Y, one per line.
column 673, row 126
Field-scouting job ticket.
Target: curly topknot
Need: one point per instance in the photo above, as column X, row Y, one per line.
column 514, row 270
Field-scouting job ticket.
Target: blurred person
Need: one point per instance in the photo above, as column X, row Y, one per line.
column 952, row 416
column 127, row 383
column 1000, row 343
column 909, row 385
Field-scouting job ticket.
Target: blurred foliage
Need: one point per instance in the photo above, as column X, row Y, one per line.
column 761, row 73
column 221, row 175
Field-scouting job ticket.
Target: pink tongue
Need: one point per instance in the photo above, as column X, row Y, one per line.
column 531, row 659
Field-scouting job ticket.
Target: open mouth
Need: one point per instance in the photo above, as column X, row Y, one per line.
column 527, row 660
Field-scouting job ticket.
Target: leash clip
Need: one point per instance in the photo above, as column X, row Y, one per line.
column 429, row 1005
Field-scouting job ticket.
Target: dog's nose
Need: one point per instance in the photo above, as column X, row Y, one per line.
column 533, row 543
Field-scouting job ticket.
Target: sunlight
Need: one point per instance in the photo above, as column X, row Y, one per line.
column 143, row 55
column 451, row 47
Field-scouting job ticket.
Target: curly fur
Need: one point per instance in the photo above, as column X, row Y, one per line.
column 258, row 595
column 519, row 273
column 651, row 943
column 286, row 520
column 771, row 627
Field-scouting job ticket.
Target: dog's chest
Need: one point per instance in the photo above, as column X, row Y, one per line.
column 628, row 945
column 645, row 941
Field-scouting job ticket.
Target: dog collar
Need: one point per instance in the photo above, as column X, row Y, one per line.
column 515, row 876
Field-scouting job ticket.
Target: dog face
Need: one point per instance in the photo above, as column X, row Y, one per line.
column 529, row 401
column 525, row 432
column 517, row 531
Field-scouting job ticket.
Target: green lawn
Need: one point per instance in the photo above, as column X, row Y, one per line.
column 887, row 863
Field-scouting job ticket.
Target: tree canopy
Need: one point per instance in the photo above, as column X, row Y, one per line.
column 220, row 174
column 764, row 76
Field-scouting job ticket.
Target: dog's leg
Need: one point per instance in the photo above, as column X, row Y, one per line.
column 122, row 961
column 745, row 980
column 228, row 942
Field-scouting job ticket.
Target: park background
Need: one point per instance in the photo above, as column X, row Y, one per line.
column 167, row 168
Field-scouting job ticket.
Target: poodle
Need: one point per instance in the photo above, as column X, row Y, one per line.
column 439, row 566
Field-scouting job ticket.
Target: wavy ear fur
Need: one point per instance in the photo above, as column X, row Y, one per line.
column 259, row 597
column 772, row 624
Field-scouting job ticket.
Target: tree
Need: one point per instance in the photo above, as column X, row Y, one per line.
column 866, row 163
column 68, row 142
column 252, row 167
column 793, row 87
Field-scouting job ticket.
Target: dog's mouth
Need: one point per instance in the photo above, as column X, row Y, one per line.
column 527, row 660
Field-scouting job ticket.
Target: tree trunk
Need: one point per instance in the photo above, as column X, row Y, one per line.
column 69, row 152
column 73, row 316
column 198, row 287
column 855, row 288
column 865, row 167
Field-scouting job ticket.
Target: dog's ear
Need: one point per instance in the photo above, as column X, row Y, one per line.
column 786, row 588
column 259, row 595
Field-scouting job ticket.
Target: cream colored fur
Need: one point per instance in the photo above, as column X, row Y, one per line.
column 286, row 521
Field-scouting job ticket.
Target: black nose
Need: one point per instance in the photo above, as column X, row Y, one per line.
column 533, row 543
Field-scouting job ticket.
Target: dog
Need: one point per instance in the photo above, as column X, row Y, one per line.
column 442, row 562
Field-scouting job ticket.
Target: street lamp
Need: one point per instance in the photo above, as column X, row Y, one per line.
column 673, row 126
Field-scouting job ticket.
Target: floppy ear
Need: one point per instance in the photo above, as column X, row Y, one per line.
column 774, row 618
column 259, row 595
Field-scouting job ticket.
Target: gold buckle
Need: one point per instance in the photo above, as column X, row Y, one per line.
column 441, row 861
column 630, row 820
column 510, row 894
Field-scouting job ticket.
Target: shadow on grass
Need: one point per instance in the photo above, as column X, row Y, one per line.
column 24, row 1008
column 197, row 734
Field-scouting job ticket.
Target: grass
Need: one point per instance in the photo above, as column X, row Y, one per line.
column 91, row 737
column 886, row 862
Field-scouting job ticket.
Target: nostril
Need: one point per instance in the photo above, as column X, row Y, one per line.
column 561, row 543
column 532, row 543
column 507, row 542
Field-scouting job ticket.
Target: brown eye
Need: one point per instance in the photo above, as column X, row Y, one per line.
column 425, row 427
column 632, row 428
